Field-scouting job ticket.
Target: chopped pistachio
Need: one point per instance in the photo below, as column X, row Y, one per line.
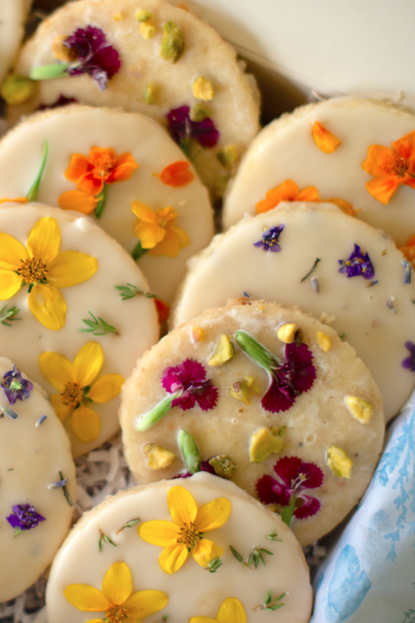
column 323, row 341
column 172, row 44
column 146, row 30
column 262, row 444
column 224, row 351
column 227, row 156
column 61, row 52
column 148, row 94
column 359, row 408
column 339, row 462
column 118, row 17
column 143, row 15
column 286, row 333
column 197, row 334
column 223, row 466
column 198, row 112
column 17, row 89
column 239, row 391
column 203, row 89
column 158, row 456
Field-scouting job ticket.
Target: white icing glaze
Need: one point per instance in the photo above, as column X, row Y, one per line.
column 11, row 33
column 192, row 591
column 286, row 150
column 135, row 319
column 30, row 460
column 76, row 130
column 377, row 334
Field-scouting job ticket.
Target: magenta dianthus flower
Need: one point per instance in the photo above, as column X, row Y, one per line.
column 182, row 129
column 189, row 378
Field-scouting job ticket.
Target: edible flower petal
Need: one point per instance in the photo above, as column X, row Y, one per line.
column 270, row 239
column 24, row 517
column 157, row 232
column 176, row 175
column 231, row 611
column 189, row 378
column 409, row 362
column 357, row 264
column 78, row 201
column 15, row 386
column 182, row 129
column 409, row 250
column 325, row 140
column 287, row 191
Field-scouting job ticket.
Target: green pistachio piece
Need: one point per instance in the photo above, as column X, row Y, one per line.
column 262, row 444
column 227, row 156
column 224, row 351
column 339, row 462
column 158, row 456
column 148, row 94
column 17, row 89
column 198, row 112
column 359, row 408
column 323, row 341
column 197, row 334
column 286, row 332
column 147, row 30
column 239, row 390
column 172, row 44
column 203, row 89
column 223, row 466
column 143, row 15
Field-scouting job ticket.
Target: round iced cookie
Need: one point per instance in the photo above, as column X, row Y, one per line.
column 193, row 583
column 108, row 164
column 266, row 396
column 12, row 16
column 38, row 487
column 359, row 282
column 65, row 320
column 155, row 58
column 358, row 150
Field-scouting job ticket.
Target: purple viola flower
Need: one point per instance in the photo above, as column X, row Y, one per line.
column 189, row 378
column 24, row 517
column 357, row 264
column 61, row 101
column 409, row 362
column 182, row 128
column 270, row 239
column 293, row 477
column 15, row 386
column 95, row 56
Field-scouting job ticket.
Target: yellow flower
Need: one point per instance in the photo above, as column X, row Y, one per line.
column 44, row 270
column 156, row 231
column 186, row 534
column 116, row 599
column 74, row 384
column 231, row 611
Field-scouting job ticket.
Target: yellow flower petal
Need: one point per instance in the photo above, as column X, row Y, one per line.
column 94, row 621
column 145, row 603
column 12, row 253
column 213, row 515
column 149, row 234
column 106, row 388
column 173, row 558
column 144, row 212
column 182, row 506
column 15, row 200
column 86, row 598
column 62, row 410
column 184, row 239
column 70, row 268
column 198, row 620
column 44, row 240
column 10, row 283
column 117, row 585
column 325, row 140
column 86, row 424
column 48, row 306
column 231, row 611
column 88, row 362
column 169, row 246
column 56, row 369
column 159, row 532
column 205, row 551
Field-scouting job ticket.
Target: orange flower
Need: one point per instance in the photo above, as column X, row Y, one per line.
column 157, row 232
column 325, row 140
column 78, row 201
column 163, row 310
column 344, row 206
column 409, row 250
column 176, row 175
column 391, row 167
column 101, row 167
column 287, row 191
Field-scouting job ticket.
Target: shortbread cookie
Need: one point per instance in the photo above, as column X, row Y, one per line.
column 190, row 574
column 155, row 58
column 359, row 284
column 12, row 16
column 122, row 168
column 64, row 316
column 271, row 398
column 38, row 487
column 358, row 150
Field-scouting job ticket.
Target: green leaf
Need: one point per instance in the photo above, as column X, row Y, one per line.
column 237, row 555
column 313, row 268
column 138, row 251
column 33, row 192
column 190, row 451
column 98, row 326
column 8, row 315
column 102, row 198
column 49, row 72
column 256, row 351
column 149, row 419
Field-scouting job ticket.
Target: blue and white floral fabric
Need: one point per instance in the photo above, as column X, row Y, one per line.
column 369, row 577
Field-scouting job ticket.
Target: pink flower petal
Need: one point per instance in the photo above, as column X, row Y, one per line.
column 310, row 507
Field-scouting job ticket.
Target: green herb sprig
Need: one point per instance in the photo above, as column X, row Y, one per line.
column 66, row 492
column 8, row 315
column 255, row 557
column 98, row 326
column 104, row 539
column 129, row 524
column 273, row 536
column 312, row 269
column 214, row 565
column 268, row 604
column 129, row 291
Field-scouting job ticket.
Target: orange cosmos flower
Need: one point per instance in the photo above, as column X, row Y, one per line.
column 287, row 191
column 157, row 232
column 391, row 167
column 325, row 140
column 176, row 175
column 102, row 166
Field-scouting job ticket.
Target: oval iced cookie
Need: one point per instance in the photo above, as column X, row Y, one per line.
column 328, row 263
column 126, row 173
column 165, row 552
column 73, row 314
column 266, row 396
column 154, row 58
column 38, row 487
column 357, row 150
column 12, row 16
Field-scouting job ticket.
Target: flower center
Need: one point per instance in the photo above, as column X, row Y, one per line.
column 189, row 536
column 166, row 217
column 103, row 166
column 72, row 395
column 115, row 614
column 33, row 271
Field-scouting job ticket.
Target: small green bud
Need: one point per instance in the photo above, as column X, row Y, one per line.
column 172, row 44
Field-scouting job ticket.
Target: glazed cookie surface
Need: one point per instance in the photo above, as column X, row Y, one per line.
column 248, row 430
column 11, row 32
column 64, row 321
column 185, row 591
column 369, row 302
column 107, row 163
column 34, row 454
column 361, row 151
column 154, row 58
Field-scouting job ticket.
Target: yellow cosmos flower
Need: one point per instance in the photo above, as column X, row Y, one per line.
column 44, row 270
column 74, row 384
column 156, row 230
column 186, row 534
column 116, row 599
column 231, row 611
